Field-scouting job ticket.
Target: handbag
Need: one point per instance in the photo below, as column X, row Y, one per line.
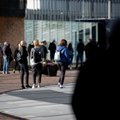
column 57, row 56
column 18, row 57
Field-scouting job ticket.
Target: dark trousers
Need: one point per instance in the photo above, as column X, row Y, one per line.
column 79, row 57
column 62, row 68
column 37, row 71
column 24, row 71
column 52, row 55
column 16, row 64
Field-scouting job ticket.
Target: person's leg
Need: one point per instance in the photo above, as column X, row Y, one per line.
column 22, row 75
column 34, row 74
column 81, row 58
column 63, row 70
column 4, row 64
column 77, row 60
column 27, row 76
column 52, row 55
column 39, row 74
column 59, row 67
column 15, row 66
column 7, row 66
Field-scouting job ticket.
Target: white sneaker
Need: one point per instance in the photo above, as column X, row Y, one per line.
column 39, row 85
column 61, row 86
column 33, row 86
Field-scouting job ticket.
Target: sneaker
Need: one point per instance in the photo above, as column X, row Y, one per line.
column 13, row 70
column 7, row 72
column 39, row 85
column 33, row 86
column 28, row 86
column 70, row 67
column 61, row 86
column 3, row 72
column 58, row 83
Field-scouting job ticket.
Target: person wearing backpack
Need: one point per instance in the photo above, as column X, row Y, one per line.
column 36, row 63
column 63, row 62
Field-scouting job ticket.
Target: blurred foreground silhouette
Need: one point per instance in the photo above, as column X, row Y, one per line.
column 96, row 94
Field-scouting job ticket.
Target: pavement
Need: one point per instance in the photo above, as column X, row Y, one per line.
column 46, row 103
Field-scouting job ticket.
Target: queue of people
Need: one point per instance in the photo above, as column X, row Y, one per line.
column 22, row 59
column 27, row 53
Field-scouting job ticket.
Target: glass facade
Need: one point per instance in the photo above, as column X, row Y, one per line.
column 57, row 19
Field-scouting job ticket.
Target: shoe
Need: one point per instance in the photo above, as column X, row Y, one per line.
column 39, row 85
column 61, row 86
column 71, row 68
column 33, row 86
column 23, row 87
column 28, row 86
column 7, row 72
column 14, row 71
column 3, row 72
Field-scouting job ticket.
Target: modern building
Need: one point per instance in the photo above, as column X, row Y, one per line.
column 56, row 19
column 69, row 19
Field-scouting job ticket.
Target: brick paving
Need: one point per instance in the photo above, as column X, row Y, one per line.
column 10, row 82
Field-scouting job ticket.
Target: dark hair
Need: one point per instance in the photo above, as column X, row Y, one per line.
column 69, row 45
column 63, row 42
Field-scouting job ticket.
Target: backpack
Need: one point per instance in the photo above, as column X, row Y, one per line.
column 36, row 55
column 18, row 57
column 57, row 56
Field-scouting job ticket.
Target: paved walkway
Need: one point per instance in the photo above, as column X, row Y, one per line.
column 46, row 103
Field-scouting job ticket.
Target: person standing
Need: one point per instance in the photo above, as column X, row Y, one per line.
column 71, row 51
column 24, row 65
column 6, row 57
column 80, row 50
column 44, row 50
column 1, row 56
column 37, row 66
column 15, row 59
column 52, row 48
column 91, row 48
column 63, row 62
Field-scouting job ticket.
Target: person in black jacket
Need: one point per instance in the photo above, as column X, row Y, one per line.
column 52, row 48
column 80, row 49
column 44, row 50
column 24, row 65
column 15, row 58
column 7, row 55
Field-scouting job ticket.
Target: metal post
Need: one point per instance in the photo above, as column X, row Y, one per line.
column 109, row 9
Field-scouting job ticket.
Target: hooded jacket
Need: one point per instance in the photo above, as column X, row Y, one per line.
column 64, row 54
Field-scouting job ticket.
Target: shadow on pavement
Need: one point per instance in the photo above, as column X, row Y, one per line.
column 44, row 95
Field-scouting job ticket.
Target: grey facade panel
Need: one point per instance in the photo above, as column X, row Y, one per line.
column 72, row 9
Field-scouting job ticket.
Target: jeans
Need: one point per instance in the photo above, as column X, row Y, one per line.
column 5, row 64
column 23, row 70
column 62, row 68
